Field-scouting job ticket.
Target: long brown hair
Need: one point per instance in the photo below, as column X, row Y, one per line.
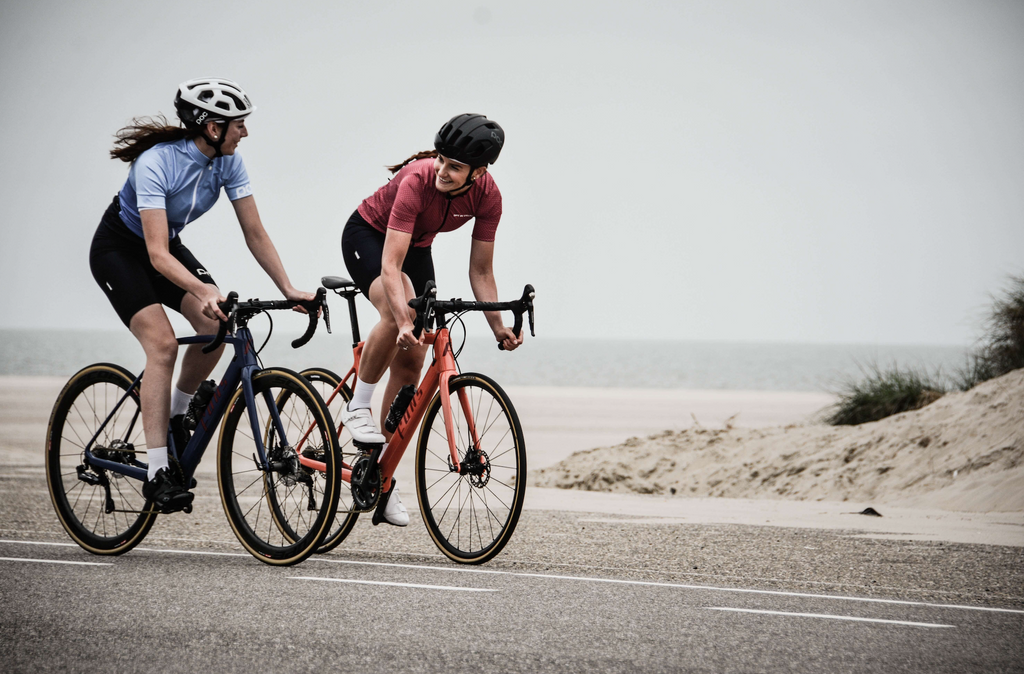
column 142, row 134
column 419, row 155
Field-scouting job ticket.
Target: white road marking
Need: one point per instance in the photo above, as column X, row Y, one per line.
column 194, row 552
column 378, row 582
column 60, row 545
column 825, row 615
column 53, row 561
column 708, row 588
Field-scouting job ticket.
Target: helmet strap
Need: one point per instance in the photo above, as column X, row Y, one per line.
column 468, row 185
column 216, row 144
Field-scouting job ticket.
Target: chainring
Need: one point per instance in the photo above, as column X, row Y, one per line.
column 365, row 483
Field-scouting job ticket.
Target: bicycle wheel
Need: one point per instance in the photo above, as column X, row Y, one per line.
column 102, row 511
column 325, row 381
column 280, row 512
column 471, row 515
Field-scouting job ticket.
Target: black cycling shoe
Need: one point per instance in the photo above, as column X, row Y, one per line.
column 167, row 493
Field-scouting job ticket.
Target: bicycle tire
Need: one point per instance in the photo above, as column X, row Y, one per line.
column 325, row 381
column 452, row 504
column 279, row 515
column 82, row 406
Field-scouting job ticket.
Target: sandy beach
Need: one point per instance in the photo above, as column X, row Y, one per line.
column 607, row 429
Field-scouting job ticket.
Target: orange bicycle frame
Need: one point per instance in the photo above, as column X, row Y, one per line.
column 440, row 372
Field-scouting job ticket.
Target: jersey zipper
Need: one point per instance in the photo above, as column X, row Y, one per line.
column 195, row 190
column 444, row 218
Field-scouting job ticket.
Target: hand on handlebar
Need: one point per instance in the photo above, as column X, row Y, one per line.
column 406, row 338
column 209, row 302
column 300, row 296
column 508, row 340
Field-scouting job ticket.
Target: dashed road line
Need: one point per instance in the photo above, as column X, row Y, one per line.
column 380, row 582
column 826, row 616
column 53, row 561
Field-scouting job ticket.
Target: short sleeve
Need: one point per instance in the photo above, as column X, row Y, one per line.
column 489, row 214
column 152, row 182
column 408, row 205
column 236, row 179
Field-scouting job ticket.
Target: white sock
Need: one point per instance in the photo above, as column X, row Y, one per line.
column 157, row 460
column 179, row 401
column 361, row 396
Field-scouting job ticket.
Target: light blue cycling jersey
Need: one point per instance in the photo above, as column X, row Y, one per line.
column 181, row 180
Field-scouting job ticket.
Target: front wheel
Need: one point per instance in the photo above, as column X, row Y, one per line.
column 471, row 512
column 278, row 509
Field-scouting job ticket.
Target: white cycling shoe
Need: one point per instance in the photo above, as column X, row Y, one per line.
column 395, row 513
column 360, row 424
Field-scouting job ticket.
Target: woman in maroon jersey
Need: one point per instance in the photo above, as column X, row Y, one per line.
column 386, row 244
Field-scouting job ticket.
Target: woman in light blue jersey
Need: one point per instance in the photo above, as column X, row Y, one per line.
column 137, row 257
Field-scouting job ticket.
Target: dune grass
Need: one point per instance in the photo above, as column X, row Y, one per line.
column 1001, row 350
column 882, row 393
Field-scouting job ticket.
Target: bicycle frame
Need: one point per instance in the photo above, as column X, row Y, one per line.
column 441, row 370
column 240, row 370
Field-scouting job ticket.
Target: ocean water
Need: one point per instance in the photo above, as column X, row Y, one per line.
column 539, row 362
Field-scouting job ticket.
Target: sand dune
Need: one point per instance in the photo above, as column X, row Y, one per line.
column 963, row 452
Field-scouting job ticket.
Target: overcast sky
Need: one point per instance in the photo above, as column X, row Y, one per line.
column 757, row 171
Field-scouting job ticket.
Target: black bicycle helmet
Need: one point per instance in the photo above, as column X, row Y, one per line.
column 470, row 139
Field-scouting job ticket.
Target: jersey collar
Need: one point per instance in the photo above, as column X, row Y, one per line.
column 195, row 153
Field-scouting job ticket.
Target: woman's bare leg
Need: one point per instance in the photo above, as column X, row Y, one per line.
column 151, row 327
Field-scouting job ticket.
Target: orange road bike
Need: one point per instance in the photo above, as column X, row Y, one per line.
column 470, row 454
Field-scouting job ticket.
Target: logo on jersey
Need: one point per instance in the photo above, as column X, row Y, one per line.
column 202, row 272
column 460, row 215
column 243, row 191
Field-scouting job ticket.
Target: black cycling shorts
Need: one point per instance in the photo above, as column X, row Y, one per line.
column 363, row 247
column 120, row 264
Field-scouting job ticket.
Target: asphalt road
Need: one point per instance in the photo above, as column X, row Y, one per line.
column 572, row 592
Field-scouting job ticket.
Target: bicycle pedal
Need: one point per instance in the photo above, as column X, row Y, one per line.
column 368, row 447
column 179, row 503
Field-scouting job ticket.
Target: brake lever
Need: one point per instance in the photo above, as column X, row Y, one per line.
column 528, row 294
column 327, row 315
column 225, row 326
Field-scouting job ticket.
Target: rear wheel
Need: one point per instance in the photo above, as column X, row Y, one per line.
column 280, row 510
column 471, row 513
column 325, row 382
column 103, row 511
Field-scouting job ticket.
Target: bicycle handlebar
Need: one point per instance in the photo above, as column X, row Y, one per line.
column 427, row 306
column 234, row 310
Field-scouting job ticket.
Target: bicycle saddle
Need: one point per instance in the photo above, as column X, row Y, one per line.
column 336, row 282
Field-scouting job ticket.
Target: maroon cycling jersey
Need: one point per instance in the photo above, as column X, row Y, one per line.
column 410, row 203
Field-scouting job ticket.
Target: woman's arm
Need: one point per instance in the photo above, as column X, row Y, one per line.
column 262, row 248
column 481, row 279
column 155, row 231
column 396, row 245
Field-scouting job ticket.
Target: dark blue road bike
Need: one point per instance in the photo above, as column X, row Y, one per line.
column 278, row 509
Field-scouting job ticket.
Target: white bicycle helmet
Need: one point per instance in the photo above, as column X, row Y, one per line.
column 211, row 99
